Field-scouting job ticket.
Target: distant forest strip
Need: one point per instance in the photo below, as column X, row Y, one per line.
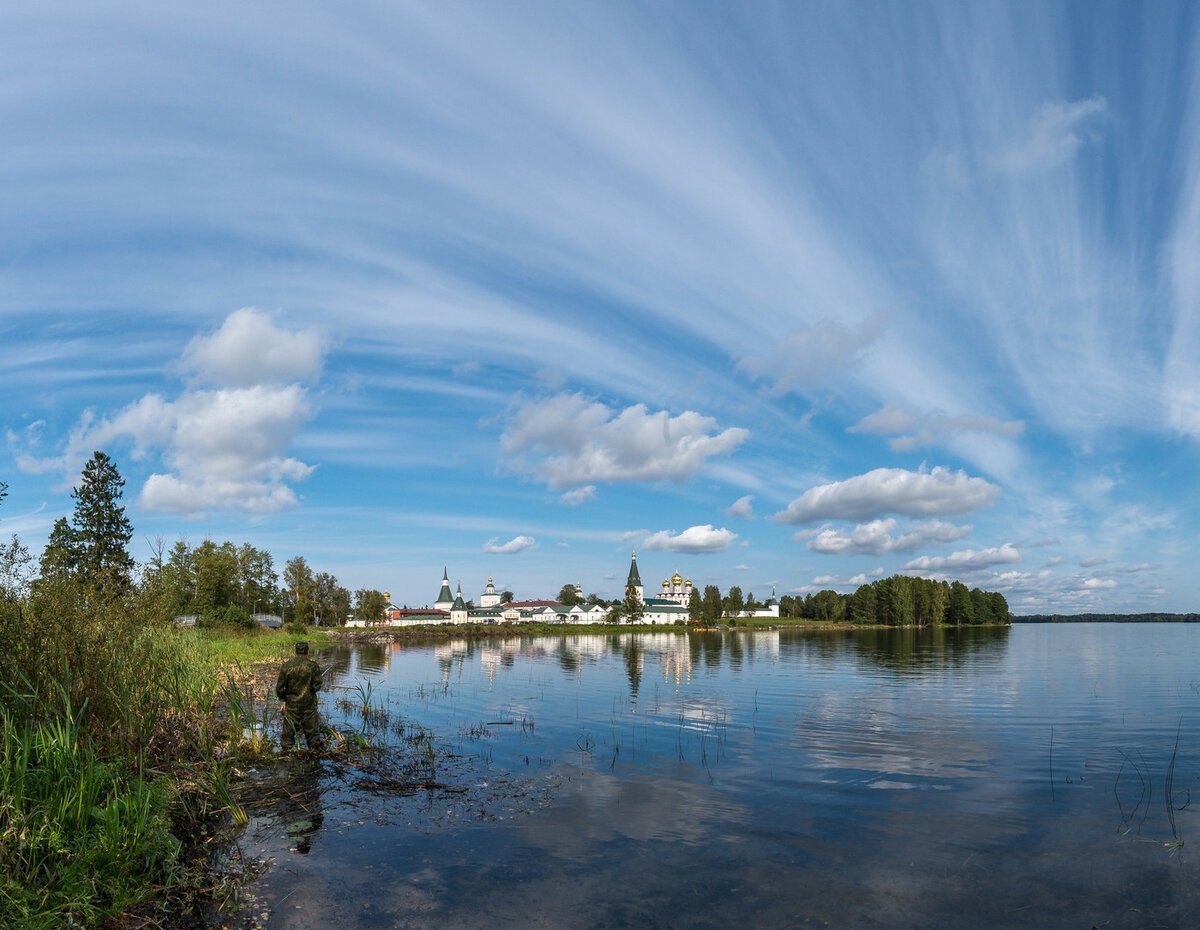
column 1107, row 618
column 899, row 601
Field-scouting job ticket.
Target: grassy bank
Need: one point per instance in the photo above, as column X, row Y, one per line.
column 118, row 734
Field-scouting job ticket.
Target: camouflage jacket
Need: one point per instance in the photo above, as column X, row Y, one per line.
column 298, row 684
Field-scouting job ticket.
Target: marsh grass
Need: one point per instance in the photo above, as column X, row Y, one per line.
column 118, row 736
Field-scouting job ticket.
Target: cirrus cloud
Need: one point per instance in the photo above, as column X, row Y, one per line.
column 938, row 492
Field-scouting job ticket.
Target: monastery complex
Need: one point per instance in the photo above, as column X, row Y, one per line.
column 667, row 606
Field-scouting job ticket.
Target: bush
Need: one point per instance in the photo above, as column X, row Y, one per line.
column 228, row 616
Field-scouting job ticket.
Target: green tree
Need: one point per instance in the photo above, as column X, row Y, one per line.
column 102, row 531
column 369, row 606
column 695, row 607
column 506, row 597
column 60, row 561
column 257, row 581
column 215, row 569
column 325, row 598
column 827, row 605
column 568, row 594
column 734, row 602
column 632, row 609
column 300, row 588
column 862, row 605
column 711, row 605
column 960, row 610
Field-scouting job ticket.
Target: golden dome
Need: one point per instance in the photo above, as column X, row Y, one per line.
column 677, row 579
column 688, row 583
column 666, row 584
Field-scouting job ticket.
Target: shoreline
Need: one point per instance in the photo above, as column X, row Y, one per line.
column 440, row 633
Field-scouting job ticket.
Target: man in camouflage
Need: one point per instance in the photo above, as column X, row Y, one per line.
column 297, row 687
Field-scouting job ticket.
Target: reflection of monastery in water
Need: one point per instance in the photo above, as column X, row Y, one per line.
column 668, row 606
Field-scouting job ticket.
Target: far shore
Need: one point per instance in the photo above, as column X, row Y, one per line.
column 439, row 632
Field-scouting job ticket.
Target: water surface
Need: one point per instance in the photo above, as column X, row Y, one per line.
column 1019, row 778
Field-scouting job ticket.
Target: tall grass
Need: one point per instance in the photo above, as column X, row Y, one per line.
column 115, row 739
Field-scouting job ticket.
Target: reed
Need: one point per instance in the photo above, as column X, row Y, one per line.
column 118, row 734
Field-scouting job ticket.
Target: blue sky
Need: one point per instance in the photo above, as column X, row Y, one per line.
column 790, row 295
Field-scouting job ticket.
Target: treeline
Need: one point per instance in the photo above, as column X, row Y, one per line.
column 1107, row 618
column 227, row 583
column 896, row 601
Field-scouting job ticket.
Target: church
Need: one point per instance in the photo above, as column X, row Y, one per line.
column 672, row 602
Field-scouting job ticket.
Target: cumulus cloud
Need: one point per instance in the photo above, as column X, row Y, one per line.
column 1053, row 137
column 911, row 428
column 875, row 537
column 939, row 492
column 1094, row 584
column 223, row 444
column 249, row 349
column 742, row 507
column 825, row 579
column 513, row 546
column 813, row 356
column 966, row 560
column 694, row 539
column 577, row 496
column 568, row 440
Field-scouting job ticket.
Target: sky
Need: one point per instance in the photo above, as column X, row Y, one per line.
column 789, row 296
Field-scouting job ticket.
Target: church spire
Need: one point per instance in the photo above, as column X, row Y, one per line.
column 635, row 578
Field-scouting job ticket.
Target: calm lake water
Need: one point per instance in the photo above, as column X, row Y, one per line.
column 1012, row 778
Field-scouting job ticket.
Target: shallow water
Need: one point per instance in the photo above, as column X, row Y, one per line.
column 1018, row 778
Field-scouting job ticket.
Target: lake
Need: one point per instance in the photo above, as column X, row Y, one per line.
column 1027, row 777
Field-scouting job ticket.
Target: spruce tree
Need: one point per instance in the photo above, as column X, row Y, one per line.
column 100, row 528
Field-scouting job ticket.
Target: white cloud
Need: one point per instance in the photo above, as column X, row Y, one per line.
column 577, row 496
column 513, row 546
column 1055, row 560
column 574, row 441
column 703, row 538
column 1053, row 137
column 742, row 507
column 1132, row 569
column 1093, row 584
column 1092, row 561
column 825, row 579
column 912, row 428
column 892, row 490
column 967, row 559
column 249, row 349
column 814, row 356
column 224, row 446
column 741, row 568
column 875, row 537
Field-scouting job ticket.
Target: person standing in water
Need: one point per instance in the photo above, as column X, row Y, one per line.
column 297, row 686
